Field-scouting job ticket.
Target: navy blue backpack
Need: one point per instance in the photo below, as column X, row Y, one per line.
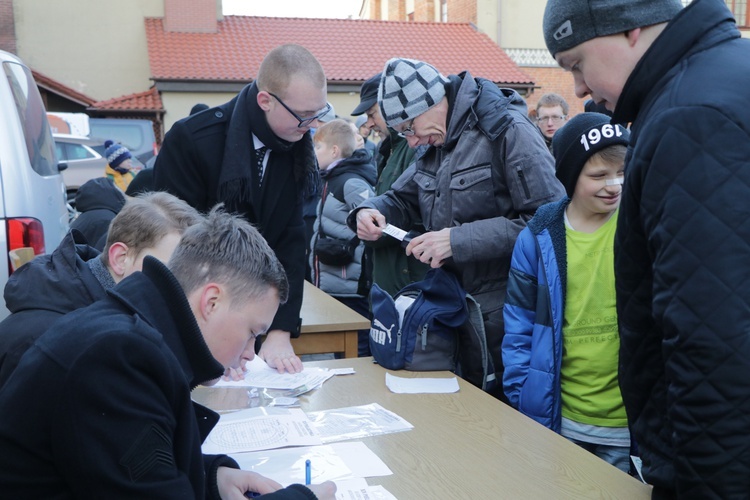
column 442, row 329
column 427, row 338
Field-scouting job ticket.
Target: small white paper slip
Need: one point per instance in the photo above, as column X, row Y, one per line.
column 395, row 232
column 401, row 385
column 357, row 489
column 284, row 401
column 342, row 371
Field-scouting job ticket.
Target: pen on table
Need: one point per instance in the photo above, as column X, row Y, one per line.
column 307, row 472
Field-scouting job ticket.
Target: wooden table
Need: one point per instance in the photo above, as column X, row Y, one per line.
column 465, row 445
column 327, row 325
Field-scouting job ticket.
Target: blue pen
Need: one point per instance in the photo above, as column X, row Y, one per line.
column 307, row 472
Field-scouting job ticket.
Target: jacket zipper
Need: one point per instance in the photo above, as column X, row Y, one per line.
column 522, row 178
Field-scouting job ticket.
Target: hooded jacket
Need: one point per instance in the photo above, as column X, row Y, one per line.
column 43, row 290
column 346, row 185
column 682, row 256
column 98, row 201
column 533, row 313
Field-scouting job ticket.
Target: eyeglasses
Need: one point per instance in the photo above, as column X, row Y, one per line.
column 408, row 131
column 554, row 119
column 303, row 122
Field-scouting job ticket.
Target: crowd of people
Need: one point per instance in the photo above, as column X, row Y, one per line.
column 607, row 252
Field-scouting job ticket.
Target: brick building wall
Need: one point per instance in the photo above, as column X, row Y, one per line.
column 462, row 11
column 375, row 10
column 396, row 10
column 424, row 10
column 7, row 27
column 553, row 80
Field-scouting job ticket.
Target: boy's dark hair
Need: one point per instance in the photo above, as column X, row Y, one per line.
column 226, row 249
column 147, row 218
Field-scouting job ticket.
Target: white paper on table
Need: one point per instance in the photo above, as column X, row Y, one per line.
column 342, row 371
column 357, row 489
column 259, row 374
column 356, row 422
column 401, row 385
column 332, row 462
column 261, row 428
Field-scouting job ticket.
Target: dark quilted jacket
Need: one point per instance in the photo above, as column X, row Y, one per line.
column 682, row 257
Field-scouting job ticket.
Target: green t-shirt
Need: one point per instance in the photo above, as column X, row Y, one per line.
column 591, row 342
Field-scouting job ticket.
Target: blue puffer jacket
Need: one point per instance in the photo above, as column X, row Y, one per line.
column 533, row 314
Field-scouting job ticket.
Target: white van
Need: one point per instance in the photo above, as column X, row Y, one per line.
column 135, row 134
column 33, row 214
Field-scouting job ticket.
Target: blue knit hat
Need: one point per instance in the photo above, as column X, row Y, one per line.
column 116, row 153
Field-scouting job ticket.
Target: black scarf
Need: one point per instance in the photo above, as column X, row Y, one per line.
column 237, row 178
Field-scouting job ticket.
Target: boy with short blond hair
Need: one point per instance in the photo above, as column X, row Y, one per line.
column 338, row 134
column 349, row 177
column 76, row 275
column 561, row 345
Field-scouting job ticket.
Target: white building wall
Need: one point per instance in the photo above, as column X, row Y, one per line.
column 97, row 47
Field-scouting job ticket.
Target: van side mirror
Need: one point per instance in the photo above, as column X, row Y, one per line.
column 62, row 166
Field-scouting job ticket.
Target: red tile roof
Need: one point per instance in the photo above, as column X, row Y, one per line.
column 350, row 50
column 148, row 100
column 58, row 88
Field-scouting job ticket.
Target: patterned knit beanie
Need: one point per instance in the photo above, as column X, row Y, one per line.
column 116, row 153
column 408, row 88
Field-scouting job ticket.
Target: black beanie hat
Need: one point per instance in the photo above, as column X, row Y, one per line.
column 578, row 140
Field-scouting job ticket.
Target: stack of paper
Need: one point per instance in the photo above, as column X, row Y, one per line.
column 259, row 374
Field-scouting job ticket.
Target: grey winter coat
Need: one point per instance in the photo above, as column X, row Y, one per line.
column 485, row 182
column 347, row 185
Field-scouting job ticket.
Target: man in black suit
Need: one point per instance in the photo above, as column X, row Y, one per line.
column 255, row 154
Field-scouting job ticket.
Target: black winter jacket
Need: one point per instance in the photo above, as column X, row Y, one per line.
column 682, row 257
column 42, row 291
column 100, row 406
column 189, row 165
column 98, row 201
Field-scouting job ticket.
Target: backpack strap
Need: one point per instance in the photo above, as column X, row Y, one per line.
column 475, row 362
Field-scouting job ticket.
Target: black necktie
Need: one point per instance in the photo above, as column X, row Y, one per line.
column 260, row 153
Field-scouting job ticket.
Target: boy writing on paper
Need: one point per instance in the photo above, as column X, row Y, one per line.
column 100, row 406
column 560, row 348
